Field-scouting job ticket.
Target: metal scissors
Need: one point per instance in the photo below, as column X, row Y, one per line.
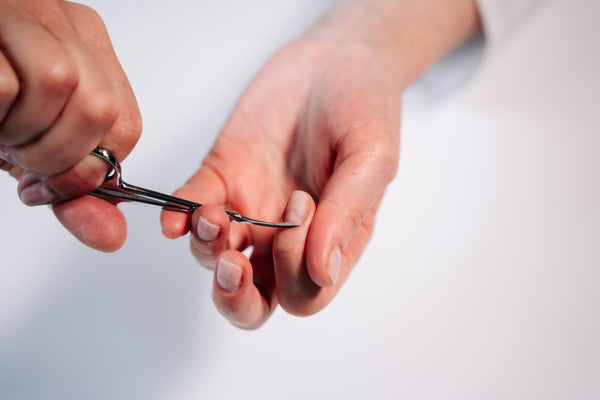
column 114, row 187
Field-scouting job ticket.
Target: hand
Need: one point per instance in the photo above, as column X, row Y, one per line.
column 321, row 117
column 62, row 93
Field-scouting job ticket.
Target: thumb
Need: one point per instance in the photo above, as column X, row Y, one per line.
column 343, row 220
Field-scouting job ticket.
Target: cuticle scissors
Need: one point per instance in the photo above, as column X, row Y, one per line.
column 114, row 187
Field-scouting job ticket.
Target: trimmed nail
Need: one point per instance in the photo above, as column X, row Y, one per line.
column 296, row 208
column 229, row 275
column 37, row 194
column 335, row 260
column 207, row 231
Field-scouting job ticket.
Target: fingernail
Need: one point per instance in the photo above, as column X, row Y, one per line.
column 229, row 275
column 207, row 231
column 335, row 259
column 296, row 208
column 37, row 194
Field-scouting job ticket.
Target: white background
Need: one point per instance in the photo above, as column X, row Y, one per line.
column 481, row 281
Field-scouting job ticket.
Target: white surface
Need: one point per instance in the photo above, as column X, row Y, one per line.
column 501, row 16
column 481, row 281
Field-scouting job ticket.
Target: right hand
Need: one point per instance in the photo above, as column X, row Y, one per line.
column 62, row 93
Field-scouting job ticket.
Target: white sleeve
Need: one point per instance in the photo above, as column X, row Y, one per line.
column 499, row 17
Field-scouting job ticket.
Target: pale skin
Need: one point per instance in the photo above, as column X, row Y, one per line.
column 319, row 123
column 314, row 140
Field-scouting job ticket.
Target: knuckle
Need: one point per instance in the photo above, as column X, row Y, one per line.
column 368, row 225
column 89, row 12
column 351, row 215
column 52, row 7
column 86, row 16
column 9, row 89
column 59, row 77
column 203, row 254
column 134, row 123
column 355, row 217
column 286, row 248
column 100, row 107
column 129, row 128
column 382, row 158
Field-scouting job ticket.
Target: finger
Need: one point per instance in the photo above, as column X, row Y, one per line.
column 357, row 244
column 13, row 170
column 9, row 86
column 245, row 304
column 89, row 113
column 36, row 189
column 126, row 131
column 83, row 215
column 5, row 156
column 94, row 222
column 205, row 187
column 45, row 86
column 5, row 165
column 123, row 134
column 210, row 231
column 356, row 185
column 295, row 290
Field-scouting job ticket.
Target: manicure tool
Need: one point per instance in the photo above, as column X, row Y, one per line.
column 114, row 187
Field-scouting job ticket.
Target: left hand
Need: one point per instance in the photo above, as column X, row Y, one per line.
column 322, row 117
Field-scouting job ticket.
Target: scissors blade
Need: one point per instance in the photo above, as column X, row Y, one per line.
column 116, row 188
column 107, row 193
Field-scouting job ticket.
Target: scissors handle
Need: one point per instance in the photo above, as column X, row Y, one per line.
column 116, row 188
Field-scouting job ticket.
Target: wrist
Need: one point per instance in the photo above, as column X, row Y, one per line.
column 408, row 36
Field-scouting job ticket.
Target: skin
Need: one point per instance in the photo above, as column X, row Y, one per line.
column 314, row 140
column 322, row 117
column 54, row 113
